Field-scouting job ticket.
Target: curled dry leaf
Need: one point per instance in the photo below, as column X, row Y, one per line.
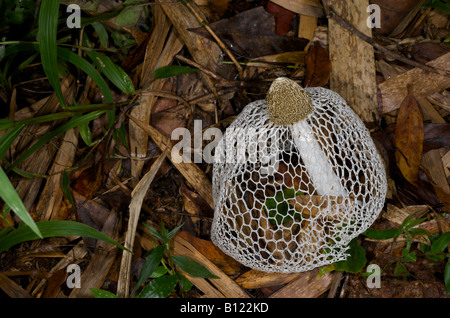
column 409, row 134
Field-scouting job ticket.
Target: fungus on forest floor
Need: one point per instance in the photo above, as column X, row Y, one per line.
column 296, row 177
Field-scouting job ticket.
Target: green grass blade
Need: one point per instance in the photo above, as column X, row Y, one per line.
column 72, row 58
column 53, row 229
column 90, row 70
column 48, row 23
column 8, row 138
column 72, row 123
column 12, row 199
column 5, row 124
column 112, row 71
column 173, row 70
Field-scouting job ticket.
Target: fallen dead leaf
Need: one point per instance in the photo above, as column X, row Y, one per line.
column 318, row 66
column 409, row 134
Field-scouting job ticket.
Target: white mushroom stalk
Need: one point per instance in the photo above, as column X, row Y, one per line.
column 288, row 104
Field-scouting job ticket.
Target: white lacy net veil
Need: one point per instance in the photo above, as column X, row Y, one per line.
column 291, row 198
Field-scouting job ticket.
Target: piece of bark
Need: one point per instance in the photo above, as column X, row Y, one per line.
column 306, row 28
column 223, row 287
column 193, row 174
column 258, row 279
column 75, row 254
column 11, row 288
column 432, row 161
column 226, row 263
column 161, row 48
column 204, row 51
column 428, row 111
column 311, row 8
column 352, row 59
column 307, row 285
column 101, row 261
column 393, row 91
column 40, row 160
column 50, row 200
column 138, row 196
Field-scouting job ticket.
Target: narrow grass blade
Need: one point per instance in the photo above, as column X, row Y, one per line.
column 12, row 199
column 172, row 70
column 112, row 71
column 53, row 229
column 72, row 123
column 48, row 23
column 72, row 58
column 8, row 138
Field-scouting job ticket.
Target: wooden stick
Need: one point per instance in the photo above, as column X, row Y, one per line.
column 214, row 35
column 349, row 27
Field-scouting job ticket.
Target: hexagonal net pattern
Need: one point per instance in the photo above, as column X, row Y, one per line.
column 291, row 198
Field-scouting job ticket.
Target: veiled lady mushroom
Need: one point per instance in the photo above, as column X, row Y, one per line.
column 308, row 180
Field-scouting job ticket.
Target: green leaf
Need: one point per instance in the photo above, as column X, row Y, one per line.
column 415, row 232
column 52, row 229
column 278, row 209
column 441, row 243
column 85, row 133
column 155, row 233
column 382, row 234
column 355, row 261
column 150, row 264
column 172, row 70
column 185, row 283
column 12, row 199
column 409, row 257
column 447, row 277
column 328, row 268
column 65, row 186
column 48, row 22
column 101, row 32
column 8, row 138
column 130, row 16
column 173, row 232
column 160, row 287
column 100, row 293
column 78, row 61
column 400, row 270
column 192, row 267
column 112, row 71
column 159, row 271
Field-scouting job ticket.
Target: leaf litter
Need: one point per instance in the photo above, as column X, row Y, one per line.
column 263, row 36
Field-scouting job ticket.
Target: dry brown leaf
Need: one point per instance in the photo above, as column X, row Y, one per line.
column 11, row 288
column 227, row 264
column 318, row 66
column 409, row 134
column 193, row 174
column 223, row 287
column 257, row 279
column 307, row 285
